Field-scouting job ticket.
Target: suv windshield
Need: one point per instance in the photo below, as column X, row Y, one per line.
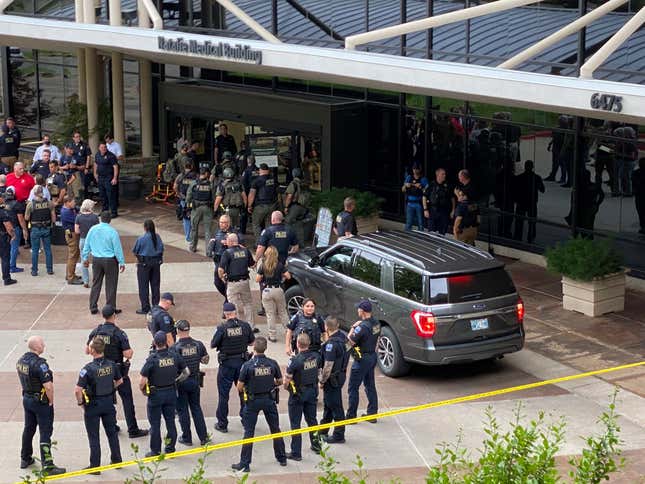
column 471, row 287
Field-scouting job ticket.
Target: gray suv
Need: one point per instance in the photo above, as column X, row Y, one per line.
column 439, row 301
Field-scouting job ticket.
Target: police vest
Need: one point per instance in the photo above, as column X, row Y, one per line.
column 188, row 349
column 52, row 186
column 234, row 341
column 232, row 194
column 262, row 378
column 373, row 329
column 280, row 240
column 267, row 193
column 308, row 326
column 103, row 371
column 113, row 351
column 219, row 237
column 309, row 374
column 40, row 212
column 202, row 191
column 28, row 377
column 439, row 196
column 158, row 322
column 239, row 265
column 186, row 180
column 340, row 364
column 164, row 369
column 413, row 194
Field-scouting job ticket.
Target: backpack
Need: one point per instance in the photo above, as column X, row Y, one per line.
column 312, row 329
column 302, row 195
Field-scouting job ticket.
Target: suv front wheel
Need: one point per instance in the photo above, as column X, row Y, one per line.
column 294, row 297
column 390, row 356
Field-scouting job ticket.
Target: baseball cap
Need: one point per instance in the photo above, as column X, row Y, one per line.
column 182, row 325
column 228, row 307
column 263, row 166
column 203, row 170
column 108, row 310
column 160, row 338
column 69, row 145
column 365, row 305
column 168, row 297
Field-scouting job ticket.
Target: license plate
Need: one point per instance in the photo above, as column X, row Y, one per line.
column 479, row 324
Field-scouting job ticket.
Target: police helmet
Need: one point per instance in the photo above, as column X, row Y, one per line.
column 228, row 173
column 296, row 173
column 227, row 155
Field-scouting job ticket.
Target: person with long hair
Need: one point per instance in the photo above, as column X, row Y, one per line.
column 149, row 252
column 271, row 274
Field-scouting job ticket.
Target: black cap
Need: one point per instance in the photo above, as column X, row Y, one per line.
column 160, row 338
column 228, row 307
column 168, row 297
column 108, row 311
column 69, row 145
column 203, row 170
column 182, row 325
column 365, row 305
column 264, row 166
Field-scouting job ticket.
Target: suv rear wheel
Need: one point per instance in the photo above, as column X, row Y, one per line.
column 294, row 297
column 390, row 356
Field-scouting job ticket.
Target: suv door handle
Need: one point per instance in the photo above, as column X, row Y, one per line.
column 373, row 300
column 338, row 286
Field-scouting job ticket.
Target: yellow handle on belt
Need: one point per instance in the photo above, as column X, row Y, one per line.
column 293, row 387
column 358, row 352
column 147, row 390
column 245, row 395
column 86, row 397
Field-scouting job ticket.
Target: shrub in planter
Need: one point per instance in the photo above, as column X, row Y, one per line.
column 367, row 203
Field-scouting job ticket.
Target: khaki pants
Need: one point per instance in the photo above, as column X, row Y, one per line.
column 276, row 309
column 203, row 213
column 239, row 293
column 9, row 161
column 468, row 235
column 73, row 253
column 261, row 218
column 295, row 219
column 234, row 214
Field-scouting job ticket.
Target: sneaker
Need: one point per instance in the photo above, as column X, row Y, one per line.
column 8, row 282
column 16, row 269
column 53, row 470
column 240, row 467
column 332, row 439
column 74, row 282
column 26, row 463
column 138, row 433
column 262, row 312
column 151, row 454
column 142, row 311
column 291, row 456
column 94, row 311
column 51, row 273
column 185, row 441
column 221, row 428
column 33, row 273
column 372, row 421
column 94, row 473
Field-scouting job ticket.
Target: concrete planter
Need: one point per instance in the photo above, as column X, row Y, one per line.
column 367, row 224
column 594, row 298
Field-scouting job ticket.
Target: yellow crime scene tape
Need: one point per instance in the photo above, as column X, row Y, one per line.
column 391, row 413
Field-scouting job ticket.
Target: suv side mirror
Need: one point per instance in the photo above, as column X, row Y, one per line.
column 314, row 261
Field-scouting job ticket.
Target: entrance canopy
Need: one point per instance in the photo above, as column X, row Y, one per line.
column 583, row 97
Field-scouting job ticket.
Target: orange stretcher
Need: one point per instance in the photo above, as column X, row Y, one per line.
column 161, row 190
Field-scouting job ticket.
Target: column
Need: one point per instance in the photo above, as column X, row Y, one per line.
column 118, row 111
column 80, row 56
column 145, row 90
column 91, row 73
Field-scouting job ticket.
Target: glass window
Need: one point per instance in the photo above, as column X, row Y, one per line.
column 438, row 291
column 23, row 92
column 52, row 95
column 367, row 268
column 481, row 285
column 339, row 260
column 408, row 283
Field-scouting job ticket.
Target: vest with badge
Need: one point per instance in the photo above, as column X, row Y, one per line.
column 40, row 212
column 164, row 369
column 188, row 349
column 185, row 181
column 279, row 238
column 234, row 343
column 112, row 352
column 239, row 266
column 262, row 377
column 232, row 194
column 339, row 368
column 103, row 384
column 308, row 326
column 267, row 193
column 29, row 380
column 202, row 192
column 373, row 329
column 309, row 374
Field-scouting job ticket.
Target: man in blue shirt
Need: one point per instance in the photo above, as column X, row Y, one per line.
column 413, row 188
column 67, row 217
column 106, row 172
column 103, row 243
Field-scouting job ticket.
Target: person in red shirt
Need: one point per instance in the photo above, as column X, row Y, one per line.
column 22, row 183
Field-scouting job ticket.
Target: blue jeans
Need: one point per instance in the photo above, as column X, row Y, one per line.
column 15, row 245
column 85, row 271
column 162, row 402
column 413, row 216
column 362, row 372
column 439, row 221
column 43, row 234
column 185, row 222
column 188, row 393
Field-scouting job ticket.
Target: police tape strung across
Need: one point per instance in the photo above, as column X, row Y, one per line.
column 390, row 413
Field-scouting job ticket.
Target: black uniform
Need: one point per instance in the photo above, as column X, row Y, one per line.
column 259, row 375
column 235, row 262
column 105, row 172
column 162, row 368
column 10, row 142
column 335, row 351
column 365, row 337
column 5, row 243
column 33, row 372
column 116, row 342
column 40, row 167
column 281, row 237
column 313, row 326
column 265, row 201
column 55, row 183
column 303, row 396
column 162, row 321
column 231, row 339
column 97, row 380
column 345, row 222
column 188, row 391
column 216, row 249
column 202, row 193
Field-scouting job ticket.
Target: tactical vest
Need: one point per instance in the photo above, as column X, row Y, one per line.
column 202, row 192
column 309, row 326
column 267, row 194
column 239, row 265
column 232, row 194
column 309, row 374
column 186, row 180
column 440, row 196
column 262, row 378
column 280, row 240
column 234, row 342
column 219, row 247
column 28, row 377
column 164, row 369
column 188, row 349
column 158, row 323
column 103, row 377
column 40, row 212
column 113, row 352
column 373, row 328
column 340, row 364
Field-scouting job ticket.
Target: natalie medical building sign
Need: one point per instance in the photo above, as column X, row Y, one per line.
column 237, row 52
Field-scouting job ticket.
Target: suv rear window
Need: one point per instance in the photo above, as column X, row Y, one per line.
column 471, row 287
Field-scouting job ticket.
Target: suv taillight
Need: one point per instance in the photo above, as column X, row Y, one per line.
column 520, row 310
column 424, row 323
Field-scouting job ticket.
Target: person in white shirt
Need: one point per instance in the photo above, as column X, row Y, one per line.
column 40, row 182
column 54, row 151
column 114, row 147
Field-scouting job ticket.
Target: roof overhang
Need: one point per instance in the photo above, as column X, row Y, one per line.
column 568, row 95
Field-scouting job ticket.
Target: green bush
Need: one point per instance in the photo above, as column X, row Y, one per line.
column 367, row 203
column 583, row 259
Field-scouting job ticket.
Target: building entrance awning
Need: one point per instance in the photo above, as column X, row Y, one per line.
column 583, row 97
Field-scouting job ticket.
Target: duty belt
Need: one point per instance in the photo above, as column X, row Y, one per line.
column 273, row 285
column 238, row 279
column 201, row 204
column 164, row 387
column 239, row 207
column 230, row 357
column 41, row 224
column 31, row 394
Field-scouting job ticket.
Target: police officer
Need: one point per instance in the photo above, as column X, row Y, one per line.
column 41, row 166
column 200, row 201
column 295, row 205
column 230, row 196
column 41, row 214
column 345, row 225
column 234, row 269
column 118, row 350
column 282, row 237
column 161, row 320
column 363, row 336
column 231, row 340
column 332, row 380
column 216, row 248
column 56, row 183
column 305, row 321
column 73, row 167
column 193, row 353
column 263, row 199
column 37, row 381
column 161, row 372
column 249, row 173
column 7, row 233
column 182, row 183
column 106, row 172
column 301, row 382
column 258, row 380
column 228, row 162
column 95, row 391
